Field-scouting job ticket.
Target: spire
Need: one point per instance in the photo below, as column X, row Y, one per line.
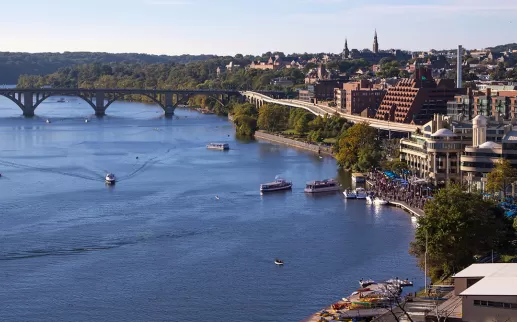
column 375, row 43
column 346, row 52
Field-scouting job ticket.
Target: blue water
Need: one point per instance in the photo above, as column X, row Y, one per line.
column 158, row 246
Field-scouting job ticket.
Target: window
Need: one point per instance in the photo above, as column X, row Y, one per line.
column 502, row 305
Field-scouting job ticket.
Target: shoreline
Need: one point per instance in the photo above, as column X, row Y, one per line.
column 293, row 143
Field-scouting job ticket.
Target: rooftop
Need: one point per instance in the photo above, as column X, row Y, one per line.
column 510, row 137
column 443, row 132
column 497, row 279
column 489, row 145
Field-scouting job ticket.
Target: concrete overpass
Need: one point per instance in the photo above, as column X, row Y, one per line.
column 317, row 109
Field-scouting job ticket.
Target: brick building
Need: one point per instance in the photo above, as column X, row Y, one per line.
column 359, row 98
column 416, row 100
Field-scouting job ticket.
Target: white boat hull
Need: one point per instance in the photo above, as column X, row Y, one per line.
column 349, row 195
column 276, row 188
column 326, row 189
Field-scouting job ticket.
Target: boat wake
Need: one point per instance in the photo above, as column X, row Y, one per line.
column 49, row 170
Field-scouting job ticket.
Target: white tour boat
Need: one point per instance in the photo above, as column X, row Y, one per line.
column 110, row 178
column 349, row 194
column 360, row 193
column 328, row 185
column 218, row 146
column 277, row 185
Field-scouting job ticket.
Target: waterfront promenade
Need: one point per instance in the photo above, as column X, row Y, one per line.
column 294, row 143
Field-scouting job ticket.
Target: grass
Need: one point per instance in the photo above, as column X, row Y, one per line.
column 507, row 258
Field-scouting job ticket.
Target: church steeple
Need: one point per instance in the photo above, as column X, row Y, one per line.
column 375, row 43
column 346, row 52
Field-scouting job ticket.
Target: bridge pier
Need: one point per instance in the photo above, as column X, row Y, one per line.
column 169, row 106
column 28, row 104
column 100, row 106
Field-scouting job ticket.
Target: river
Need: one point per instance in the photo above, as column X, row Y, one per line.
column 158, row 246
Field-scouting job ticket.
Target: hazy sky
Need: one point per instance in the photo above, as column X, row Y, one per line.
column 252, row 26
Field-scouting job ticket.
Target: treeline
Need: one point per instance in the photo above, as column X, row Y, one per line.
column 13, row 64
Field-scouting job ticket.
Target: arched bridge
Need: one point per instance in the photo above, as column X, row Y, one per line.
column 28, row 99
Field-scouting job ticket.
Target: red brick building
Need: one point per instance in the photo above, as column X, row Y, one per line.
column 359, row 98
column 416, row 100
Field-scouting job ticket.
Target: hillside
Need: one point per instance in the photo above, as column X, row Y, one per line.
column 501, row 48
column 12, row 64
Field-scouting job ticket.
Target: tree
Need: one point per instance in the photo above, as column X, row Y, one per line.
column 273, row 118
column 501, row 177
column 358, row 148
column 302, row 124
column 456, row 227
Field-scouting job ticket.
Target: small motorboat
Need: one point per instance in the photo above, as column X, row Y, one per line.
column 349, row 194
column 365, row 283
column 110, row 178
column 86, row 121
column 279, row 262
column 48, row 121
column 217, row 197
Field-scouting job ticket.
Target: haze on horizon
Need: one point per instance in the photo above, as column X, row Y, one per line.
column 228, row 27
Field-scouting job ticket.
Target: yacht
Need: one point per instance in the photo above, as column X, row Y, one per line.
column 277, row 185
column 218, row 146
column 327, row 185
column 110, row 178
column 349, row 194
column 360, row 193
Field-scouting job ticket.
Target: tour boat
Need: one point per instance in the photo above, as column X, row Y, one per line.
column 110, row 178
column 349, row 194
column 218, row 146
column 366, row 283
column 360, row 193
column 279, row 262
column 277, row 185
column 327, row 185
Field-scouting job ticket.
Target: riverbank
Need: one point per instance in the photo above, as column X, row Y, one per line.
column 293, row 143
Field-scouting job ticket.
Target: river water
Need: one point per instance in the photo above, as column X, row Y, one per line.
column 158, row 246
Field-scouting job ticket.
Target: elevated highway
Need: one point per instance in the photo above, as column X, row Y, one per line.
column 318, row 109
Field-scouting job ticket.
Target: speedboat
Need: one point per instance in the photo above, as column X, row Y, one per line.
column 365, row 283
column 110, row 178
column 360, row 193
column 277, row 185
column 349, row 194
column 218, row 146
column 279, row 262
column 328, row 185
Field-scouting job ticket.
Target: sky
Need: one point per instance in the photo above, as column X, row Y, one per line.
column 228, row 27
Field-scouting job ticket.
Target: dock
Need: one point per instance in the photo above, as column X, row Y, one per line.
column 412, row 210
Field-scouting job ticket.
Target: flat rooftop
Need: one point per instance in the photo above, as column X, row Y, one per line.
column 496, row 279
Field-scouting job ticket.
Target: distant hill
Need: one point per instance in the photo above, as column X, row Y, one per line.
column 12, row 64
column 502, row 48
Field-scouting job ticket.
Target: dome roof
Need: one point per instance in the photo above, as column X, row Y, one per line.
column 479, row 120
column 443, row 132
column 489, row 145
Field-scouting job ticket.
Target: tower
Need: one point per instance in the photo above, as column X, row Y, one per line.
column 375, row 43
column 346, row 52
column 459, row 72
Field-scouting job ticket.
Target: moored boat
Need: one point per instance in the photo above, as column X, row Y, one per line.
column 360, row 193
column 349, row 194
column 218, row 146
column 328, row 185
column 277, row 185
column 110, row 178
column 365, row 283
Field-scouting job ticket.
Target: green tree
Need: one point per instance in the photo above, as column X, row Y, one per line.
column 302, row 124
column 273, row 118
column 458, row 226
column 358, row 143
column 501, row 177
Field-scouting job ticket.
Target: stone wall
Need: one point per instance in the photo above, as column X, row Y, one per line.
column 297, row 144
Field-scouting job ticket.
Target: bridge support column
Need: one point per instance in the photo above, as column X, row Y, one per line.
column 28, row 104
column 100, row 107
column 169, row 106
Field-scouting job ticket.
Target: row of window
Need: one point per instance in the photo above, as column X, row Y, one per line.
column 503, row 305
